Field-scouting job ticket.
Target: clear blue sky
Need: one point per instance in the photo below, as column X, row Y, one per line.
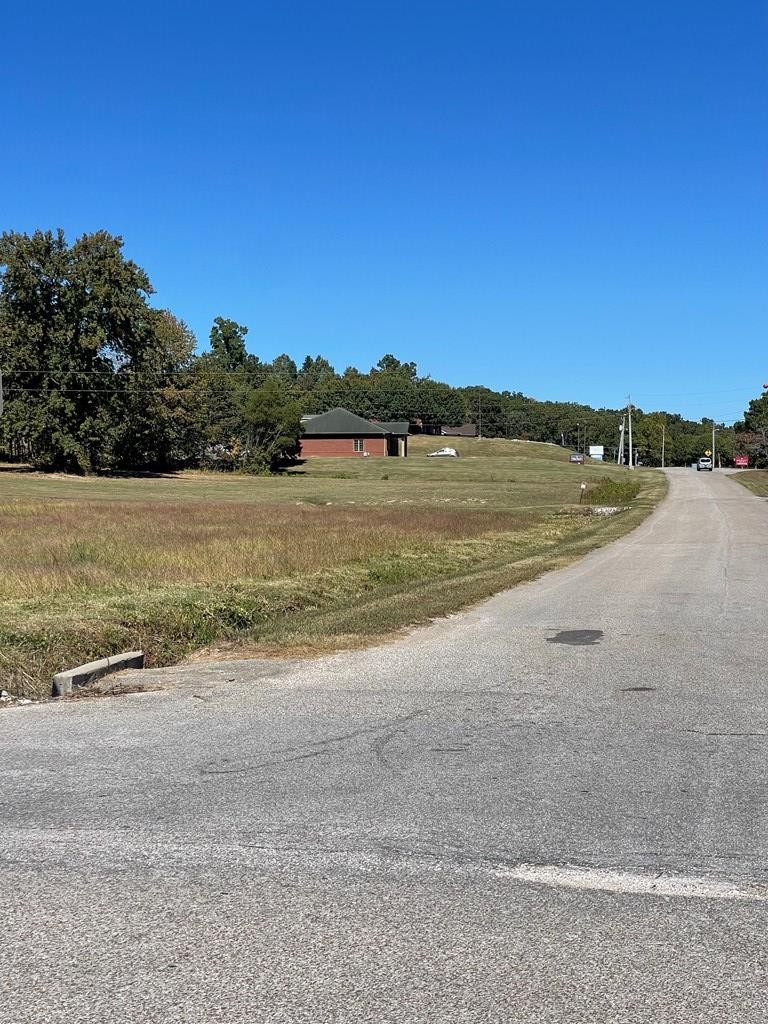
column 562, row 198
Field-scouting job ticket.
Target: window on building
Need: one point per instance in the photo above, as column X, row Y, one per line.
column 358, row 444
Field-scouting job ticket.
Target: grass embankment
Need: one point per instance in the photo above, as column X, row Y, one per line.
column 755, row 480
column 333, row 554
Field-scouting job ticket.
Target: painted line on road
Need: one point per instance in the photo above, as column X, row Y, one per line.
column 631, row 883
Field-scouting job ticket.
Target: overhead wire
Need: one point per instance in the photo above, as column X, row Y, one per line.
column 137, row 376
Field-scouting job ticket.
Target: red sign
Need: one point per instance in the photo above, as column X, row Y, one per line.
column 741, row 460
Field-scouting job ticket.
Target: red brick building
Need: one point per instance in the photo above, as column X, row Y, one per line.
column 341, row 434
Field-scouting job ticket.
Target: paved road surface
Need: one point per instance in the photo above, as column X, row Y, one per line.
column 477, row 823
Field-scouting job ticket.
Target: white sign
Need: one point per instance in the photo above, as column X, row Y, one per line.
column 597, row 451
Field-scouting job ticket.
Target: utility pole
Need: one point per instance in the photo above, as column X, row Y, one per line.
column 620, row 449
column 631, row 453
column 479, row 417
column 663, row 440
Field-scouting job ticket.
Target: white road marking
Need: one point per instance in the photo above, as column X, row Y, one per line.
column 633, row 883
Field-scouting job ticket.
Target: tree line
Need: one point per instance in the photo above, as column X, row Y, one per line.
column 95, row 378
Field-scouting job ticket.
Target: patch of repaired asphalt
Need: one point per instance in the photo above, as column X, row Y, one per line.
column 577, row 637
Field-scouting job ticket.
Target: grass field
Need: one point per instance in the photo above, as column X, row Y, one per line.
column 335, row 553
column 755, row 480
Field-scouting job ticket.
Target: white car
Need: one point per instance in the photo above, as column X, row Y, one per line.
column 444, row 453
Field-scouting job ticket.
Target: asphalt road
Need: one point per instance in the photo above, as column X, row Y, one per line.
column 480, row 822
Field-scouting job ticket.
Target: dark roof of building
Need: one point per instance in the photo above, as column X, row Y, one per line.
column 342, row 423
column 395, row 427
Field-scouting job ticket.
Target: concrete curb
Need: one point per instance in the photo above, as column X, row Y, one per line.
column 64, row 682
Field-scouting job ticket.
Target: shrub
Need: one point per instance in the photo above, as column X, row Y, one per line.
column 608, row 491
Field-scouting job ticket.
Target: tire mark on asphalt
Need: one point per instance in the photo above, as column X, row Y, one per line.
column 321, row 747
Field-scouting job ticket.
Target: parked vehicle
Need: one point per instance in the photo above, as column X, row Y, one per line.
column 444, row 453
column 704, row 463
column 576, row 457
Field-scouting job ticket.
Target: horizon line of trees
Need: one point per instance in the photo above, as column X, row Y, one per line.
column 95, row 378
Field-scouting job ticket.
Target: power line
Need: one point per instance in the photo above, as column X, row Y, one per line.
column 122, row 371
column 101, row 391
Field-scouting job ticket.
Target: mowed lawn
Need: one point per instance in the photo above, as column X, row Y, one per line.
column 335, row 553
column 755, row 480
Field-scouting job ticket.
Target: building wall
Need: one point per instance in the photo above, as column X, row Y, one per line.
column 468, row 430
column 340, row 447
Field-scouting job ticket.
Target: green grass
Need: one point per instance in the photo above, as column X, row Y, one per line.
column 336, row 553
column 755, row 480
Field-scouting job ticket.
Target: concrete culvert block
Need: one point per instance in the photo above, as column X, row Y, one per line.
column 76, row 678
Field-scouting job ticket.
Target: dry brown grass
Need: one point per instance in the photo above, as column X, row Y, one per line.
column 58, row 548
column 334, row 554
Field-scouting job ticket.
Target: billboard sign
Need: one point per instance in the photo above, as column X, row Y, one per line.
column 597, row 451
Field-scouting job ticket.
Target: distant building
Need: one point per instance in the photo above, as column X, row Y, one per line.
column 466, row 430
column 341, row 434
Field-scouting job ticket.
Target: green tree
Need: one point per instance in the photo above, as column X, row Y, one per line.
column 353, row 391
column 221, row 380
column 485, row 408
column 751, row 434
column 285, row 370
column 228, row 344
column 649, row 430
column 438, row 404
column 388, row 364
column 159, row 425
column 313, row 372
column 76, row 336
column 756, row 416
column 273, row 425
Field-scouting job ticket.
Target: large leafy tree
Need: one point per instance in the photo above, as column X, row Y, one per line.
column 78, row 343
column 221, row 380
column 228, row 350
column 159, row 426
column 756, row 416
column 273, row 424
column 752, row 433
